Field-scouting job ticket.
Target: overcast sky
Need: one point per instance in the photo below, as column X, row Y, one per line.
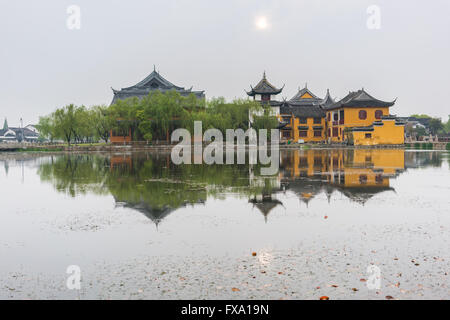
column 222, row 47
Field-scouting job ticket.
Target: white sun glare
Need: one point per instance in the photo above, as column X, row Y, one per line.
column 261, row 23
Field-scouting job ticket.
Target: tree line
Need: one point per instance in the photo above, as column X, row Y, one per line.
column 151, row 118
column 435, row 126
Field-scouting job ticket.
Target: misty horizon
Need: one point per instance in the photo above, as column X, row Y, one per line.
column 223, row 48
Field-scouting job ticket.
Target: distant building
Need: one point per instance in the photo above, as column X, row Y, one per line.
column 13, row 134
column 305, row 116
column 266, row 93
column 153, row 82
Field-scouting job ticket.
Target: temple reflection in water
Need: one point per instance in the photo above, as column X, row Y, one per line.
column 359, row 174
column 154, row 186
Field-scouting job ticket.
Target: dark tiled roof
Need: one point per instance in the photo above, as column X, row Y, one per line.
column 359, row 99
column 327, row 101
column 153, row 82
column 264, row 87
column 299, row 111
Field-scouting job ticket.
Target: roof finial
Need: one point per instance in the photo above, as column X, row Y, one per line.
column 264, row 75
column 306, row 85
column 154, row 68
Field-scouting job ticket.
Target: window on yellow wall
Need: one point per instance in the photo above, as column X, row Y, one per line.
column 335, row 132
column 378, row 114
column 317, row 120
column 335, row 116
column 317, row 133
column 368, row 135
column 362, row 114
column 303, row 133
column 303, row 120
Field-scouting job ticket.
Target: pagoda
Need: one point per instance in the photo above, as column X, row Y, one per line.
column 265, row 93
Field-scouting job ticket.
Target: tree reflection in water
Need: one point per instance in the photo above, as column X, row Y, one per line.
column 153, row 185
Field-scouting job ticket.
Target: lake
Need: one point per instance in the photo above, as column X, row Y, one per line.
column 342, row 223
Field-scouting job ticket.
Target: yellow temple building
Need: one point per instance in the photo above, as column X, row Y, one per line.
column 361, row 119
column 357, row 119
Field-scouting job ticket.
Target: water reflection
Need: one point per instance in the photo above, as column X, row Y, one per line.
column 154, row 186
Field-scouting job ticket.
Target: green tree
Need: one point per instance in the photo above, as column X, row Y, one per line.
column 46, row 128
column 435, row 126
column 102, row 121
column 65, row 122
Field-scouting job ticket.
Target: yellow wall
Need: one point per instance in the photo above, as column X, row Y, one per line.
column 389, row 133
column 310, row 135
column 351, row 116
column 351, row 119
column 295, row 134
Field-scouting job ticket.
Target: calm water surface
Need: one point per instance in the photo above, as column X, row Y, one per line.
column 140, row 227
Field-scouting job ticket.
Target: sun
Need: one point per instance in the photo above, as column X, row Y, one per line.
column 261, row 23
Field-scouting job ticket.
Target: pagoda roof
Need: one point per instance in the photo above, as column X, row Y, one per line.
column 327, row 101
column 301, row 92
column 264, row 87
column 153, row 82
column 358, row 99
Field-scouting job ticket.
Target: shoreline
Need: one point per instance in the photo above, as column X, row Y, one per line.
column 111, row 148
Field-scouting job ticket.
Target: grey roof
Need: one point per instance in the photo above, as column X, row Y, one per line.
column 299, row 111
column 153, row 82
column 327, row 101
column 359, row 99
column 26, row 132
column 264, row 87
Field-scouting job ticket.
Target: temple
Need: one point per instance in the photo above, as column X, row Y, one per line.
column 361, row 119
column 154, row 81
column 304, row 116
column 357, row 119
